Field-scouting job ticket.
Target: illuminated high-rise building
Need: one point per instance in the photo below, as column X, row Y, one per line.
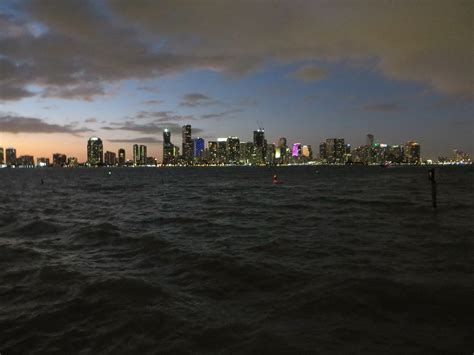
column 270, row 154
column 323, row 151
column 136, row 155
column 212, row 148
column 412, row 153
column 25, row 161
column 72, row 162
column 198, row 146
column 10, row 156
column 110, row 158
column 59, row 160
column 296, row 150
column 307, row 152
column 187, row 143
column 2, row 156
column 260, row 145
column 233, row 150
column 143, row 155
column 121, row 157
column 42, row 162
column 221, row 150
column 95, row 152
column 175, row 152
column 168, row 150
column 336, row 150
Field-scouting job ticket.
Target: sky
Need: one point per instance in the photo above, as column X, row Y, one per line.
column 302, row 69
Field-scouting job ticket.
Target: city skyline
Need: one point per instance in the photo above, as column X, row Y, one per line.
column 233, row 151
column 121, row 72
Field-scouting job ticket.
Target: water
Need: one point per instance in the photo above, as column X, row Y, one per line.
column 220, row 260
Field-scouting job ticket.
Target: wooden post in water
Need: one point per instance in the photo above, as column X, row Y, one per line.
column 432, row 178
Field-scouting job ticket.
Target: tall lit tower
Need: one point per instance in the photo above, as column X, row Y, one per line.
column 143, row 155
column 187, row 143
column 260, row 144
column 95, row 151
column 121, row 157
column 167, row 147
column 136, row 155
column 198, row 146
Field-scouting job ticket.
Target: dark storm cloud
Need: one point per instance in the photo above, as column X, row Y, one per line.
column 85, row 41
column 18, row 124
column 149, row 140
column 383, row 107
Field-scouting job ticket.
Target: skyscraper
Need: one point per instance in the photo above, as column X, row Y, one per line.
column 2, row 157
column 72, row 162
column 10, row 156
column 59, row 160
column 42, row 162
column 110, row 158
column 95, row 152
column 323, row 151
column 136, row 155
column 412, row 153
column 336, row 150
column 26, row 161
column 296, row 150
column 167, row 147
column 143, row 155
column 198, row 145
column 121, row 157
column 233, row 150
column 260, row 145
column 307, row 152
column 187, row 143
column 221, row 150
column 212, row 147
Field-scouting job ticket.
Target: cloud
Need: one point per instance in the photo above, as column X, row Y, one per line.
column 143, row 140
column 163, row 116
column 18, row 124
column 153, row 102
column 383, row 107
column 197, row 99
column 310, row 73
column 222, row 114
column 153, row 127
column 98, row 43
column 82, row 91
column 150, row 89
column 14, row 93
column 91, row 120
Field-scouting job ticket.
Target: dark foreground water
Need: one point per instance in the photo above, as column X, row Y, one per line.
column 220, row 260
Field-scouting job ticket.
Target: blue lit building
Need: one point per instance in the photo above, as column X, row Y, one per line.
column 198, row 144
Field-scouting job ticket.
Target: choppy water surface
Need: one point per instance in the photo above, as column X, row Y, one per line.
column 206, row 260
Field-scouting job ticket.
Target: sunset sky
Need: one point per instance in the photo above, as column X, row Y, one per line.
column 307, row 70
